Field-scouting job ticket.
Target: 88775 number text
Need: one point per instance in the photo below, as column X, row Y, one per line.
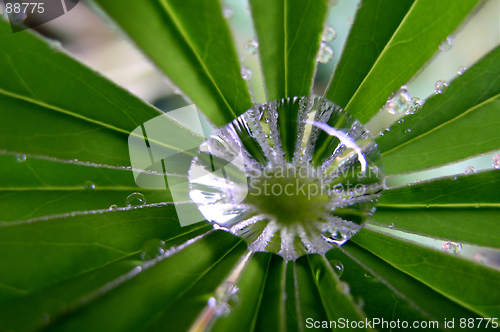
column 18, row 7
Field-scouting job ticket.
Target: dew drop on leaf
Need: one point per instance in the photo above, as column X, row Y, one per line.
column 89, row 185
column 368, row 274
column 337, row 266
column 391, row 225
column 408, row 130
column 398, row 102
column 452, row 247
column 342, row 287
column 20, row 158
column 495, row 161
column 350, row 20
column 135, row 199
column 415, row 105
column 113, row 207
column 325, row 53
column 302, row 190
column 152, row 248
column 329, row 34
column 228, row 12
column 246, row 73
column 252, row 46
column 440, row 86
column 446, row 44
column 461, row 70
column 470, row 170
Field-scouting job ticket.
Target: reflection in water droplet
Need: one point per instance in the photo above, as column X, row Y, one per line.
column 337, row 266
column 440, row 86
column 407, row 131
column 20, row 158
column 246, row 73
column 452, row 247
column 495, row 161
column 398, row 102
column 252, row 46
column 135, row 199
column 415, row 105
column 470, row 170
column 227, row 12
column 113, row 207
column 329, row 34
column 461, row 70
column 325, row 53
column 446, row 44
column 89, row 185
column 152, row 249
column 290, row 193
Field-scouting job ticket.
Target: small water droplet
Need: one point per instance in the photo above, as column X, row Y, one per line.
column 368, row 274
column 407, row 131
column 135, row 199
column 440, row 86
column 398, row 102
column 350, row 20
column 480, row 258
column 401, row 121
column 227, row 12
column 246, row 73
column 452, row 247
column 343, row 287
column 495, row 161
column 446, row 44
column 55, row 45
column 391, row 225
column 20, row 158
column 113, row 207
column 337, row 266
column 325, row 53
column 252, row 46
column 470, row 170
column 152, row 248
column 461, row 70
column 361, row 303
column 226, row 298
column 46, row 319
column 89, row 185
column 415, row 105
column 329, row 34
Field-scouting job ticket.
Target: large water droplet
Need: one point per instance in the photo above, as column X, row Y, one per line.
column 246, row 73
column 325, row 53
column 302, row 189
column 495, row 161
column 440, row 86
column 152, row 249
column 20, row 158
column 398, row 102
column 329, row 34
column 135, row 199
column 446, row 44
column 452, row 247
column 227, row 12
column 337, row 266
column 252, row 46
column 470, row 170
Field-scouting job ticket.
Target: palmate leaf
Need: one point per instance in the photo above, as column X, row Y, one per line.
column 445, row 130
column 83, row 272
